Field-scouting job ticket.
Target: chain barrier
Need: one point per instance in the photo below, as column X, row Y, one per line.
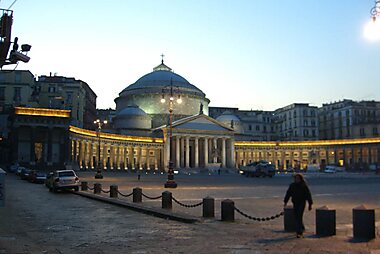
column 150, row 197
column 258, row 218
column 105, row 191
column 125, row 195
column 185, row 205
column 88, row 187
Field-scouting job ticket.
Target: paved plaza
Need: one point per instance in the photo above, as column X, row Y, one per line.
column 37, row 221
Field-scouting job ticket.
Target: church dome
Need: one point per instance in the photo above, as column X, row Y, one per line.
column 149, row 90
column 161, row 77
column 132, row 117
column 231, row 120
column 131, row 110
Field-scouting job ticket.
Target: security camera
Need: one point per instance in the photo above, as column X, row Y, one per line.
column 17, row 56
column 25, row 47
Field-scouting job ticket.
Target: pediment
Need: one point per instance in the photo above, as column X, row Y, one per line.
column 200, row 123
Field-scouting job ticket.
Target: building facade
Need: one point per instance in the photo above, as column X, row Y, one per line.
column 151, row 127
column 349, row 119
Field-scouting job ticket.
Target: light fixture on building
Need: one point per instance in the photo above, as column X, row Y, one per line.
column 170, row 183
column 372, row 28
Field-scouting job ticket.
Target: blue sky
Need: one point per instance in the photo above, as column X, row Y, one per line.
column 251, row 54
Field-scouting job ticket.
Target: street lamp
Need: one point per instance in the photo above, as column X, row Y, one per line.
column 170, row 183
column 99, row 123
column 372, row 29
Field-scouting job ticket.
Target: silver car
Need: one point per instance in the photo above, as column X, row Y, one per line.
column 62, row 180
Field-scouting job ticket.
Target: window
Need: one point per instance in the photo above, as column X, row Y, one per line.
column 375, row 132
column 51, row 89
column 313, row 133
column 17, row 94
column 18, row 77
column 2, row 93
column 362, row 132
column 258, row 127
column 250, row 127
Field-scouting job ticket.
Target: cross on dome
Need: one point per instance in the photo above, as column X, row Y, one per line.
column 162, row 66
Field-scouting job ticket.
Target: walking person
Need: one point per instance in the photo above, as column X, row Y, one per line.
column 300, row 193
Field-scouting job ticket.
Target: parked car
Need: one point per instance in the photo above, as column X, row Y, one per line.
column 37, row 177
column 24, row 173
column 330, row 169
column 62, row 180
column 13, row 168
column 259, row 168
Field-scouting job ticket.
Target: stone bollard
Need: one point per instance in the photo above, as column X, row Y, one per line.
column 84, row 186
column 137, row 195
column 289, row 220
column 113, row 191
column 167, row 200
column 208, row 207
column 97, row 188
column 363, row 221
column 228, row 210
column 325, row 221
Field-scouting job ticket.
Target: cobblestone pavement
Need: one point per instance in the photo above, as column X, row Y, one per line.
column 36, row 221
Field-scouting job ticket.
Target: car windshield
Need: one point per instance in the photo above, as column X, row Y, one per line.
column 66, row 173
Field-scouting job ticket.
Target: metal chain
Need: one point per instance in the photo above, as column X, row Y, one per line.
column 105, row 191
column 88, row 187
column 150, row 197
column 125, row 195
column 185, row 205
column 258, row 218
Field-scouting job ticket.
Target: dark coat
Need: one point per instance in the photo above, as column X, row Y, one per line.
column 299, row 193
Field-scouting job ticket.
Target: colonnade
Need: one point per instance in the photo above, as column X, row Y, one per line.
column 350, row 156
column 115, row 155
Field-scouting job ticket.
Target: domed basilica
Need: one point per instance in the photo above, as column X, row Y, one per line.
column 140, row 105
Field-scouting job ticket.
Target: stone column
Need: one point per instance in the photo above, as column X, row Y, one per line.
column 167, row 154
column 80, row 154
column 147, row 158
column 105, row 155
column 206, row 151
column 223, row 152
column 156, row 154
column 177, row 152
column 117, row 150
column 215, row 149
column 232, row 153
column 132, row 158
column 187, row 152
column 182, row 158
column 112, row 156
column 141, row 166
column 196, row 152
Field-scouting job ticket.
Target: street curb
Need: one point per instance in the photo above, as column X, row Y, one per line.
column 161, row 213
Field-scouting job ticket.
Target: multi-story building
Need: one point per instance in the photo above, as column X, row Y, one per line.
column 248, row 124
column 349, row 119
column 17, row 88
column 298, row 121
column 90, row 113
column 59, row 92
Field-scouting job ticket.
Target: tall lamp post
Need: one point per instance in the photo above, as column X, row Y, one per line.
column 169, row 90
column 100, row 124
